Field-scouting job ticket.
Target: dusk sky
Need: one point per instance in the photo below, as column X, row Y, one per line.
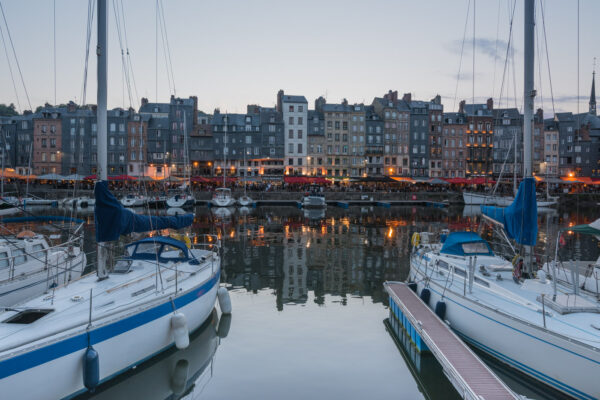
column 233, row 53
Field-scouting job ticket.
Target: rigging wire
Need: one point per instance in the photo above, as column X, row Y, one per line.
column 10, row 68
column 164, row 24
column 496, row 48
column 473, row 77
column 164, row 48
column 129, row 63
column 507, row 54
column 462, row 48
column 547, row 55
column 12, row 45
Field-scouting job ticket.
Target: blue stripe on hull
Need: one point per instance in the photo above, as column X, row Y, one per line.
column 522, row 367
column 57, row 350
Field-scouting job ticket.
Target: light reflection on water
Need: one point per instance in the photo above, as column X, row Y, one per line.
column 309, row 306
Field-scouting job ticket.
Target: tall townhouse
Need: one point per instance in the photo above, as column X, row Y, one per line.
column 436, row 113
column 317, row 144
column 137, row 145
column 395, row 114
column 374, row 142
column 549, row 166
column 480, row 135
column 201, row 145
column 295, row 114
column 508, row 143
column 47, row 138
column 419, row 139
column 454, row 151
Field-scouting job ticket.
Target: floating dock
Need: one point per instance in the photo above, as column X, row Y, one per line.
column 468, row 374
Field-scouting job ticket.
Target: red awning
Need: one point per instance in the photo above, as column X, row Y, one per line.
column 481, row 180
column 112, row 178
column 457, row 180
column 304, row 180
column 216, row 179
column 199, row 179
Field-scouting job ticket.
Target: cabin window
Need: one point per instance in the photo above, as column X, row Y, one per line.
column 4, row 259
column 122, row 266
column 475, row 248
column 19, row 256
column 172, row 252
column 148, row 248
column 27, row 316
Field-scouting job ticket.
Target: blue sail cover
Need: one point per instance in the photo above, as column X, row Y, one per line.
column 520, row 218
column 113, row 220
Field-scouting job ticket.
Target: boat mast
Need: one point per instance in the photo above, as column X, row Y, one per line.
column 225, row 149
column 101, row 51
column 528, row 95
column 29, row 169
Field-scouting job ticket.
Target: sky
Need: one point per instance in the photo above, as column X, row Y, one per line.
column 231, row 53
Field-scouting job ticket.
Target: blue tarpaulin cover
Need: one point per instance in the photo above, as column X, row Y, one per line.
column 455, row 241
column 520, row 218
column 113, row 220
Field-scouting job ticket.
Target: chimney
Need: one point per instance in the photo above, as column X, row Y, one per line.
column 71, row 107
column 540, row 115
column 407, row 97
column 144, row 101
column 437, row 99
column 280, row 100
column 217, row 111
column 461, row 107
column 345, row 102
column 490, row 103
column 319, row 103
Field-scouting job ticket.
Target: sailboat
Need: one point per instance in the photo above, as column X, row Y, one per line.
column 222, row 196
column 81, row 334
column 538, row 326
column 185, row 198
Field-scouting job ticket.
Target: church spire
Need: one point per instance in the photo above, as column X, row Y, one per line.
column 593, row 94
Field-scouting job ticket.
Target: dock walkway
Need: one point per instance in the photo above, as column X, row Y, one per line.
column 469, row 375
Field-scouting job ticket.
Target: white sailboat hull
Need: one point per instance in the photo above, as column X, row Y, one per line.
column 121, row 342
column 550, row 358
column 245, row 201
column 223, row 201
column 314, row 201
column 133, row 201
column 181, row 201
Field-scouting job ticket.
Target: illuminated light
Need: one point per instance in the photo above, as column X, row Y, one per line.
column 209, row 164
column 195, row 163
column 308, row 244
column 232, row 234
column 390, row 232
column 571, row 174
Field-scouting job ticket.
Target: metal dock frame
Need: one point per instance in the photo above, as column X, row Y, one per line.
column 472, row 379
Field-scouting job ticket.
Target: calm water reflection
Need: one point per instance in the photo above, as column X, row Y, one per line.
column 310, row 314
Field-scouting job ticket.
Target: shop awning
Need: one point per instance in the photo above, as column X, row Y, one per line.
column 403, row 179
column 111, row 178
column 306, row 180
column 51, row 177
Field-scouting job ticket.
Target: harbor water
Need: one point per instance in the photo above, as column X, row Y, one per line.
column 310, row 316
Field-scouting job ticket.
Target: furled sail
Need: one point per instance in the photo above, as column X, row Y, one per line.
column 113, row 220
column 520, row 218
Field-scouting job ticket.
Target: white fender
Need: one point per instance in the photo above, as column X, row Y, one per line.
column 224, row 300
column 179, row 376
column 180, row 331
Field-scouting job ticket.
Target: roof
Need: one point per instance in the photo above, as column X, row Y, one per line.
column 293, row 99
column 471, row 109
column 454, row 244
column 149, row 108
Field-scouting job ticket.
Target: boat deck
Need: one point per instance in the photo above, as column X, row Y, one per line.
column 469, row 375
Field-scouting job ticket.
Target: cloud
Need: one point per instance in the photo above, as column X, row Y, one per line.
column 494, row 49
